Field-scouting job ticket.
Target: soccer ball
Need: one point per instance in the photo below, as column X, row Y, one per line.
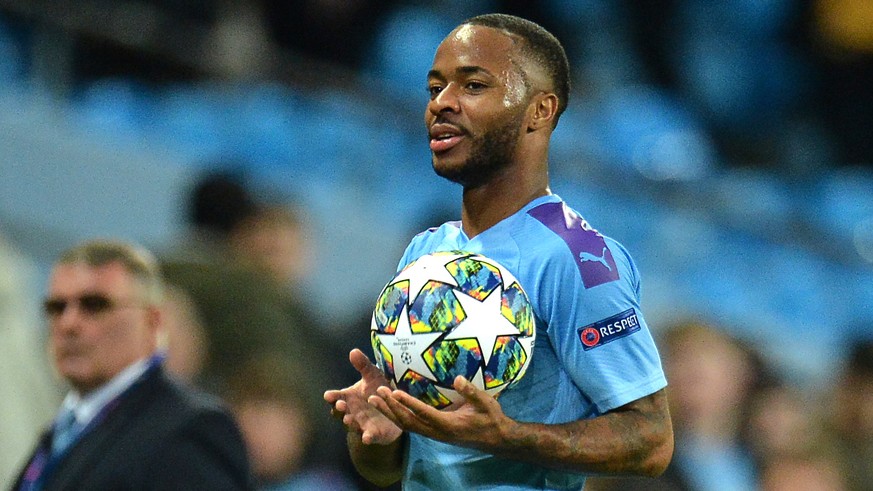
column 448, row 314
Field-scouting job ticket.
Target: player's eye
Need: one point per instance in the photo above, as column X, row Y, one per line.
column 434, row 90
column 476, row 86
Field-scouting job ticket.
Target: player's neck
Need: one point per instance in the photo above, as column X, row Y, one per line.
column 486, row 205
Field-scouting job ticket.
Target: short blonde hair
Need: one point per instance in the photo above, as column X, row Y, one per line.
column 137, row 260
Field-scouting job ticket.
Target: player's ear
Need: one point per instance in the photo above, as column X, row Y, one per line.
column 544, row 108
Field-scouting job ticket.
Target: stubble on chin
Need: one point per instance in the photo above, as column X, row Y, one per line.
column 490, row 154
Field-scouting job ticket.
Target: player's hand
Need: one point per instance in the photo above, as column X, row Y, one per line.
column 477, row 422
column 350, row 405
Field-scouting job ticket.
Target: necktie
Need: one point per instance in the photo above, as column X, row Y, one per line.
column 66, row 431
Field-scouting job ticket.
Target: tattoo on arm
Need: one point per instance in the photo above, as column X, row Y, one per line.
column 634, row 439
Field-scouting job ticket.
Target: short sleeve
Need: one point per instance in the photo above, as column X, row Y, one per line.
column 588, row 293
column 601, row 336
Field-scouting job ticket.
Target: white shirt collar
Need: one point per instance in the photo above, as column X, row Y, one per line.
column 87, row 407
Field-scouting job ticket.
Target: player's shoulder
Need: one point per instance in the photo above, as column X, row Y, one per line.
column 447, row 231
column 570, row 237
column 450, row 227
column 431, row 239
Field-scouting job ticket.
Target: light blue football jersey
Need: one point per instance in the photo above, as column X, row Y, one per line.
column 593, row 350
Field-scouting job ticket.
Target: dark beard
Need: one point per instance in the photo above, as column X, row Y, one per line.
column 491, row 154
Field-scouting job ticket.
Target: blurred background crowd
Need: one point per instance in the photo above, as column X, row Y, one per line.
column 273, row 154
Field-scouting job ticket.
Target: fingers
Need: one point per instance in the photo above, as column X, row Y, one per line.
column 380, row 403
column 413, row 405
column 465, row 387
column 381, row 435
column 396, row 411
column 405, row 411
column 381, row 427
column 372, row 423
column 369, row 372
column 350, row 422
column 342, row 406
column 369, row 437
column 471, row 393
column 359, row 360
column 331, row 396
column 339, row 407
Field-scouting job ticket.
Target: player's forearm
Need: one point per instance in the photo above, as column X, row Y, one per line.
column 380, row 464
column 634, row 439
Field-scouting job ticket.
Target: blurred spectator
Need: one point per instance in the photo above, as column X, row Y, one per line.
column 239, row 300
column 183, row 336
column 274, row 239
column 711, row 377
column 217, row 203
column 795, row 451
column 28, row 392
column 280, row 428
column 239, row 312
column 124, row 424
column 782, row 421
column 275, row 243
column 852, row 415
column 242, row 318
column 803, row 472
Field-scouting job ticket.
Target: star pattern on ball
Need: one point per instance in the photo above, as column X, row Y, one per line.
column 483, row 321
column 408, row 347
column 434, row 265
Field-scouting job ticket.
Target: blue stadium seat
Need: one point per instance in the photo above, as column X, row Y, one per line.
column 114, row 107
column 648, row 130
column 191, row 119
column 403, row 52
column 843, row 201
column 265, row 127
column 753, row 198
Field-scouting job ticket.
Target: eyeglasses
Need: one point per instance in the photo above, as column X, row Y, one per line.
column 90, row 304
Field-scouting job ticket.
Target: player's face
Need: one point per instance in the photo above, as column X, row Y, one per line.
column 477, row 105
column 99, row 322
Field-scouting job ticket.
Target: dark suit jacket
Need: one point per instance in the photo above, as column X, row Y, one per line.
column 159, row 436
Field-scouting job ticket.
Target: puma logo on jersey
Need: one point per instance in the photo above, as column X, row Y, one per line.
column 594, row 259
column 588, row 257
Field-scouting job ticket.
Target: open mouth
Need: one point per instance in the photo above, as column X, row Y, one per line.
column 444, row 137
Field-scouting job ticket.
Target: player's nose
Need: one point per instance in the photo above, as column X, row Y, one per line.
column 446, row 100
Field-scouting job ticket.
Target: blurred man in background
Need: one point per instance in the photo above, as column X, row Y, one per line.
column 239, row 303
column 124, row 424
